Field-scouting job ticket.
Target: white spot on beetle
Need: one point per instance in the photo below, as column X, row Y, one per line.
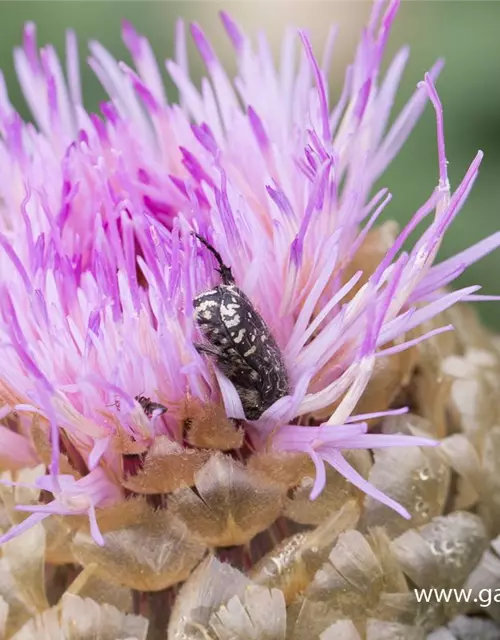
column 228, row 310
column 240, row 335
column 234, row 322
column 206, row 304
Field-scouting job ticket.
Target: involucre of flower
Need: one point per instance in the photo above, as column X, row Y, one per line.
column 103, row 379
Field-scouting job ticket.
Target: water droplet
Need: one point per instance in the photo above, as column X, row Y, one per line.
column 424, row 474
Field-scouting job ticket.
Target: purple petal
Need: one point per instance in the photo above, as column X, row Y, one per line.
column 95, row 532
column 205, row 137
column 382, row 441
column 232, row 31
column 420, row 215
column 371, row 221
column 411, row 343
column 377, row 414
column 338, row 462
column 459, row 197
column 53, row 508
column 328, row 49
column 342, row 103
column 73, row 67
column 181, row 57
column 98, row 450
column 387, row 22
column 312, row 205
column 320, row 478
column 30, row 45
column 19, row 529
column 320, row 85
column 445, row 272
column 481, row 298
column 230, row 397
column 434, row 281
column 281, row 201
column 131, row 38
column 258, row 129
column 408, row 321
column 14, row 258
column 362, row 99
column 403, row 125
column 203, row 46
column 443, row 171
column 292, row 437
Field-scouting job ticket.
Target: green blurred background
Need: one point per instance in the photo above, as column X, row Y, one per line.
column 465, row 33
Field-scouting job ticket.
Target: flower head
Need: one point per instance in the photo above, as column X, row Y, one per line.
column 100, row 263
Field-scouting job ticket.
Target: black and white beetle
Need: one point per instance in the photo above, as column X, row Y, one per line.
column 150, row 407
column 241, row 343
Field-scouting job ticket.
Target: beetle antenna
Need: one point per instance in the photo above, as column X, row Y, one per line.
column 225, row 271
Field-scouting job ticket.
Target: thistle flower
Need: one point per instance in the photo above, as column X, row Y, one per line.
column 104, row 380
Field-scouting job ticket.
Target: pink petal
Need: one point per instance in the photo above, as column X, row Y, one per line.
column 411, row 343
column 320, row 479
column 377, row 414
column 383, row 440
column 338, row 462
column 94, row 528
column 19, row 529
column 98, row 450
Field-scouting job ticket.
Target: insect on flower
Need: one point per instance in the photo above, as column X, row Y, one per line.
column 150, row 407
column 241, row 343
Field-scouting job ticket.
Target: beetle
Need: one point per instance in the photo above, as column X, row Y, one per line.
column 241, row 343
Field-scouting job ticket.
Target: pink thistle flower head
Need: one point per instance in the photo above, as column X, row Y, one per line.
column 101, row 265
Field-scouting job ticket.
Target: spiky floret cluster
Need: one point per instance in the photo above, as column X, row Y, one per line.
column 100, row 266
